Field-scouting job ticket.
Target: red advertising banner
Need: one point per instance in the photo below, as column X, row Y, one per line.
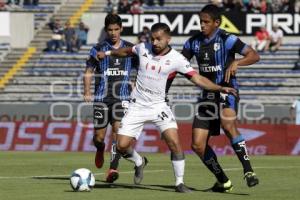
column 73, row 136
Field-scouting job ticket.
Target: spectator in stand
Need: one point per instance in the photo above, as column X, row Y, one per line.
column 109, row 6
column 31, row 2
column 218, row 3
column 52, row 23
column 57, row 37
column 261, row 39
column 144, row 36
column 276, row 5
column 228, row 5
column 288, row 6
column 124, row 7
column 136, row 7
column 14, row 3
column 2, row 4
column 81, row 35
column 161, row 2
column 70, row 37
column 150, row 2
column 254, row 6
column 265, row 7
column 275, row 39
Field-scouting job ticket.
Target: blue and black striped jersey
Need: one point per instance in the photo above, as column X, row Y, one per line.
column 112, row 75
column 215, row 55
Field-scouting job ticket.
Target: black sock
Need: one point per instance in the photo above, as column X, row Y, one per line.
column 239, row 146
column 211, row 162
column 115, row 156
column 98, row 145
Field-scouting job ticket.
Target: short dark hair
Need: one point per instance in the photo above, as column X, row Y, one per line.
column 161, row 26
column 112, row 19
column 213, row 11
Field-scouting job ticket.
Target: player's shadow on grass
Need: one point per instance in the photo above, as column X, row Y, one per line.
column 51, row 178
column 131, row 186
column 200, row 190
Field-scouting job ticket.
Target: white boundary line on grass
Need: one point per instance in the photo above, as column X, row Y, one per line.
column 146, row 171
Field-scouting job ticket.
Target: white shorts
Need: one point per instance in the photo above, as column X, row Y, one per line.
column 137, row 115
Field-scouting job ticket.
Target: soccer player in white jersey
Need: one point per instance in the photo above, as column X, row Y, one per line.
column 158, row 61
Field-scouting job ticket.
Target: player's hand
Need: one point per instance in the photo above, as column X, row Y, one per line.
column 101, row 55
column 231, row 71
column 228, row 90
column 87, row 97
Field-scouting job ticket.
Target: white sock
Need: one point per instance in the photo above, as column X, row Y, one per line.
column 136, row 158
column 178, row 167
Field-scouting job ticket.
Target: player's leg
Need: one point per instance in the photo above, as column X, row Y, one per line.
column 131, row 127
column 98, row 140
column 113, row 173
column 100, row 124
column 171, row 138
column 201, row 147
column 229, row 125
column 207, row 123
column 117, row 112
column 165, row 121
column 126, row 150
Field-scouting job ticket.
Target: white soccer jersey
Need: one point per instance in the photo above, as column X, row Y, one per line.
column 154, row 71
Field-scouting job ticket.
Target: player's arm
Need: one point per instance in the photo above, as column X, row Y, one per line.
column 122, row 52
column 250, row 56
column 87, row 80
column 186, row 51
column 206, row 84
column 91, row 63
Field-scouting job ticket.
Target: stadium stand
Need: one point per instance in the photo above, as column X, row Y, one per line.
column 53, row 76
column 173, row 5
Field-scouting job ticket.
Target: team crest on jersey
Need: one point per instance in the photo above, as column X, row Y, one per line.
column 145, row 55
column 217, row 46
column 117, row 62
column 206, row 57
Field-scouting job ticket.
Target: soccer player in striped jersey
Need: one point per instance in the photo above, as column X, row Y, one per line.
column 215, row 51
column 112, row 90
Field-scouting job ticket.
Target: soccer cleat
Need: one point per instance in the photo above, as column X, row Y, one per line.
column 251, row 179
column 182, row 188
column 112, row 175
column 99, row 157
column 139, row 172
column 222, row 187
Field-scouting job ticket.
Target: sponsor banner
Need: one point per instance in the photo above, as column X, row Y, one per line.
column 188, row 23
column 73, row 136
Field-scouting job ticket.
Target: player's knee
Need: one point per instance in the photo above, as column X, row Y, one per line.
column 198, row 148
column 98, row 143
column 122, row 147
column 175, row 147
column 228, row 127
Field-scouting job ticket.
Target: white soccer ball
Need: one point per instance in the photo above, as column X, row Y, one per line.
column 82, row 180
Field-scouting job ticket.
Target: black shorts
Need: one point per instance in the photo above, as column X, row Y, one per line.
column 105, row 113
column 208, row 115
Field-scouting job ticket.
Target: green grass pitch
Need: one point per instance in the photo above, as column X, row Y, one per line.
column 45, row 176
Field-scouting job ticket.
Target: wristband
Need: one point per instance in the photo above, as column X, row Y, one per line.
column 107, row 53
